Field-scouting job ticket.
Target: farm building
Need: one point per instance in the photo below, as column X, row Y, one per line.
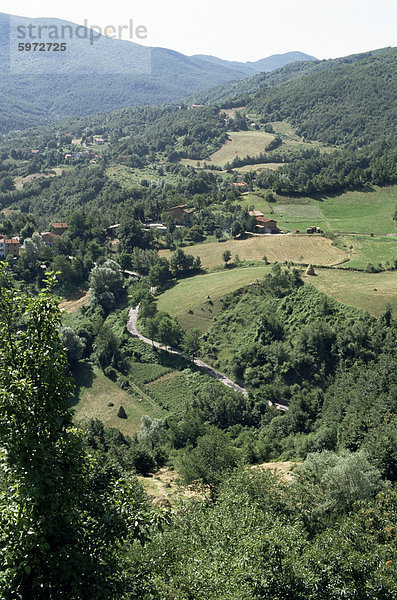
column 181, row 213
column 264, row 225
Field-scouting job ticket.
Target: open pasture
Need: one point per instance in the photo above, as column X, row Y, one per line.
column 367, row 291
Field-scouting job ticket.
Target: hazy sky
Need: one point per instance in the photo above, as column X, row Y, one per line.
column 236, row 29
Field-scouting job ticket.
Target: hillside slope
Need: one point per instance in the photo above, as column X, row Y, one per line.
column 349, row 100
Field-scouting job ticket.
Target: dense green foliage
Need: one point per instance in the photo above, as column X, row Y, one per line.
column 348, row 103
column 255, row 542
column 63, row 513
column 294, row 346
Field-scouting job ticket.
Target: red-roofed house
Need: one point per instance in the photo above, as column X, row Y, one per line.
column 49, row 238
column 9, row 246
column 264, row 225
column 59, row 228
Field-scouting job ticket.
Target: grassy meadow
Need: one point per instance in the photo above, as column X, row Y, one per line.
column 188, row 299
column 129, row 177
column 367, row 291
column 240, row 144
column 362, row 212
column 95, row 391
column 364, row 250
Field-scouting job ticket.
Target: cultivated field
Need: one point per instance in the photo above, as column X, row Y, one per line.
column 259, row 167
column 240, row 144
column 296, row 248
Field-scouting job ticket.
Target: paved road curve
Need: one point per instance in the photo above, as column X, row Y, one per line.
column 132, row 329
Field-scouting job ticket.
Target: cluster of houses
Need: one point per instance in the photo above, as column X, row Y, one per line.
column 11, row 246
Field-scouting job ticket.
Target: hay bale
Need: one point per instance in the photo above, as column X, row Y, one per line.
column 310, row 270
column 121, row 413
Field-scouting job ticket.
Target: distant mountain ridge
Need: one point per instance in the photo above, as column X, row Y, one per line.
column 39, row 87
column 264, row 65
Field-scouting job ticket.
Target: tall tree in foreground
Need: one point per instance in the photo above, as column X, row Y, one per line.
column 61, row 519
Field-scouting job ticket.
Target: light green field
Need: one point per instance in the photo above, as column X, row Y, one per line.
column 285, row 129
column 350, row 212
column 374, row 250
column 257, row 200
column 358, row 289
column 143, row 373
column 240, row 144
column 129, row 177
column 192, row 294
column 277, row 248
column 172, row 391
column 95, row 391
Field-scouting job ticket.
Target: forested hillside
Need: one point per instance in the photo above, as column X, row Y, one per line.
column 344, row 101
column 348, row 103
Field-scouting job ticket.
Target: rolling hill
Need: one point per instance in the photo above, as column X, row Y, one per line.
column 344, row 101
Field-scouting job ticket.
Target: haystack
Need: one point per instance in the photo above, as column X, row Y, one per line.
column 121, row 413
column 310, row 270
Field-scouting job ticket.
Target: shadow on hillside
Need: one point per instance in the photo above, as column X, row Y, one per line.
column 83, row 378
column 321, row 197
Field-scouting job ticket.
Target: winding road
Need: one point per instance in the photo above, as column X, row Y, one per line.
column 133, row 330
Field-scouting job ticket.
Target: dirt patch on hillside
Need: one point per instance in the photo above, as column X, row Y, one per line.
column 285, row 469
column 164, row 487
column 73, row 304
